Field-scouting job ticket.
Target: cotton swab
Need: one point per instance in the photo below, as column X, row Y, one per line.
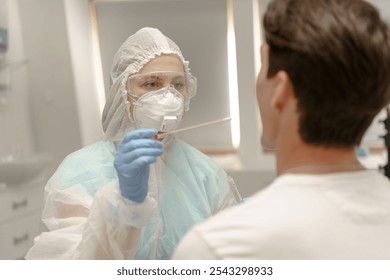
column 162, row 135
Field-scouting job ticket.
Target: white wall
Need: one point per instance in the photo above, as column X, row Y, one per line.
column 54, row 115
column 80, row 41
column 15, row 126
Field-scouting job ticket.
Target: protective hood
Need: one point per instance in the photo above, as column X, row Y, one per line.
column 132, row 55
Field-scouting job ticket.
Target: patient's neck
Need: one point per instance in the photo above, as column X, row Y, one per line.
column 302, row 158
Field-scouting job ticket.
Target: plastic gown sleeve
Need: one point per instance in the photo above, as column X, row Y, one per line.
column 105, row 227
column 113, row 228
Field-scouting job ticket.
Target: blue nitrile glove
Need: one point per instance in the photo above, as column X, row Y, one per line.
column 136, row 152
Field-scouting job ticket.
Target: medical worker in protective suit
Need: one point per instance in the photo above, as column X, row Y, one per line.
column 130, row 196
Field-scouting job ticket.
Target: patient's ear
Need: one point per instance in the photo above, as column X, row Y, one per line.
column 282, row 91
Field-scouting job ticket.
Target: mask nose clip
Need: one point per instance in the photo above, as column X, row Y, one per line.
column 169, row 89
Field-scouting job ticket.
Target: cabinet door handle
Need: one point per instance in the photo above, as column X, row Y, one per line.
column 21, row 204
column 20, row 239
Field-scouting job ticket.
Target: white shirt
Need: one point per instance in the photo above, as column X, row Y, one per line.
column 332, row 216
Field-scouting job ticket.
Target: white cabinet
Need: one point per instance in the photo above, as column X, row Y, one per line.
column 17, row 236
column 20, row 214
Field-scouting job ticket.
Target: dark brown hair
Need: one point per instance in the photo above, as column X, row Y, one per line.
column 337, row 55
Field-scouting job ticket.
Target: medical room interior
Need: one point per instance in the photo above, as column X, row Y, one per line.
column 55, row 59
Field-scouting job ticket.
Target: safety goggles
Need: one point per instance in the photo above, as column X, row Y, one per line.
column 139, row 84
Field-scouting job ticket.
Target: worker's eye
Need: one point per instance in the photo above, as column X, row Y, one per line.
column 150, row 85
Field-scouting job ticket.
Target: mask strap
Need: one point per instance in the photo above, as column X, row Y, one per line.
column 132, row 97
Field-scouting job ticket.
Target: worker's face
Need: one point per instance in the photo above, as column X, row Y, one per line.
column 171, row 71
column 264, row 90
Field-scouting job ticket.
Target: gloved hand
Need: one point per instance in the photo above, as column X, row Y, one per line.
column 136, row 152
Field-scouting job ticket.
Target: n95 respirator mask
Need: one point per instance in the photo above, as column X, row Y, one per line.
column 161, row 110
